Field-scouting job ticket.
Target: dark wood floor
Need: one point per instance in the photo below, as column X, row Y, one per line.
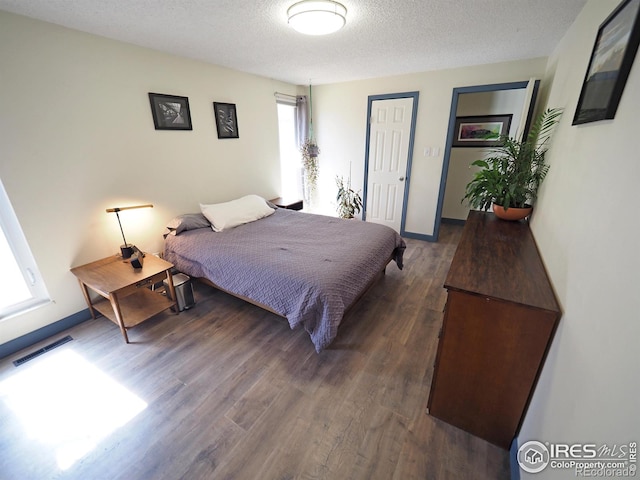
column 233, row 393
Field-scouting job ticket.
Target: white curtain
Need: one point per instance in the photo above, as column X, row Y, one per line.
column 302, row 119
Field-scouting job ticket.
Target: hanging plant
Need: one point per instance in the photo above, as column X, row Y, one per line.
column 310, row 153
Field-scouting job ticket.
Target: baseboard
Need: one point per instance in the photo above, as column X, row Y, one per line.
column 513, row 460
column 43, row 333
column 452, row 221
column 419, row 236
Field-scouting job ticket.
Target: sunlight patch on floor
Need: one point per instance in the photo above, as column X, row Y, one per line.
column 67, row 404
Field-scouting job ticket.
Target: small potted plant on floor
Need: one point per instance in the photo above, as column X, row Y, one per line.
column 510, row 176
column 349, row 201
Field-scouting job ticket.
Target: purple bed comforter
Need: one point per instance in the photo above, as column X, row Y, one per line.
column 308, row 268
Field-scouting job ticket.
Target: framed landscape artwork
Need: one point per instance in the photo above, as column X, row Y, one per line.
column 170, row 112
column 611, row 60
column 226, row 120
column 481, row 131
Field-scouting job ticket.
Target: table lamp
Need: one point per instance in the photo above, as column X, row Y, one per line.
column 127, row 249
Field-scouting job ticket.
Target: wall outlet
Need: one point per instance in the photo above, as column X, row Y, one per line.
column 427, row 151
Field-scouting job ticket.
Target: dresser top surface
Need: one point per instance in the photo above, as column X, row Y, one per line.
column 499, row 259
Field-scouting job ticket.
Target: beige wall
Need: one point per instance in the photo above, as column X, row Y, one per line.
column 340, row 120
column 588, row 236
column 78, row 136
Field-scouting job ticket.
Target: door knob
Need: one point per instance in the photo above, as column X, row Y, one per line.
column 401, row 179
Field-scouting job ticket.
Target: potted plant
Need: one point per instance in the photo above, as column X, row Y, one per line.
column 513, row 171
column 349, row 201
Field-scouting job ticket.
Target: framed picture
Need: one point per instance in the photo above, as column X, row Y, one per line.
column 170, row 112
column 226, row 120
column 611, row 60
column 481, row 131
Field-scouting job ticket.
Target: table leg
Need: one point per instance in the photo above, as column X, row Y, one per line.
column 113, row 298
column 87, row 298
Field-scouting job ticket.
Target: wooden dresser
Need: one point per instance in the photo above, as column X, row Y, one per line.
column 499, row 320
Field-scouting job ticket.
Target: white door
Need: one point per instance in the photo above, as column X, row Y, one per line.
column 389, row 139
column 527, row 107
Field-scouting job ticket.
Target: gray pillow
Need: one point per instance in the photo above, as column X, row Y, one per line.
column 187, row 221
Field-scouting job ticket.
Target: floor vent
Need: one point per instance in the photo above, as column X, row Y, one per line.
column 44, row 349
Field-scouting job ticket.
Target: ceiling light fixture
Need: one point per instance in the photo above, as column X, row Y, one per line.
column 317, row 17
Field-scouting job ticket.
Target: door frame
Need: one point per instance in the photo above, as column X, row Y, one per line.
column 412, row 134
column 495, row 87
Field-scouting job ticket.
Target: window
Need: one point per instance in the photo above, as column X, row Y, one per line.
column 21, row 286
column 290, row 164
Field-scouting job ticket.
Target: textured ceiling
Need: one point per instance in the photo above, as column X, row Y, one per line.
column 381, row 38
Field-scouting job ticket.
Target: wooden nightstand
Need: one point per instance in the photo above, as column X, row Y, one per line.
column 127, row 299
column 288, row 203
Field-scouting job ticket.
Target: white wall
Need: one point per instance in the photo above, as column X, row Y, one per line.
column 587, row 230
column 78, row 137
column 340, row 120
column 502, row 102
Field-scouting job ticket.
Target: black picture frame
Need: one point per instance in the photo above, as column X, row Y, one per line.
column 611, row 59
column 481, row 130
column 170, row 112
column 226, row 120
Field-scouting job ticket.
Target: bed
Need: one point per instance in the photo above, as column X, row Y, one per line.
column 307, row 268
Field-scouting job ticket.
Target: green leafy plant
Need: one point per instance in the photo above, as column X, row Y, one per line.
column 349, row 201
column 310, row 151
column 513, row 171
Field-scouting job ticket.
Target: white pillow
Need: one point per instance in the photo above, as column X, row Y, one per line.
column 236, row 212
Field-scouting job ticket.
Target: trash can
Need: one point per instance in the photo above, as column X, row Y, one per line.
column 184, row 291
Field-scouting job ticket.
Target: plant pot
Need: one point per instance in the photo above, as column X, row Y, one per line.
column 512, row 213
column 313, row 151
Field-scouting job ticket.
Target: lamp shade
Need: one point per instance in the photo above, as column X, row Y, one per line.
column 317, row 17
